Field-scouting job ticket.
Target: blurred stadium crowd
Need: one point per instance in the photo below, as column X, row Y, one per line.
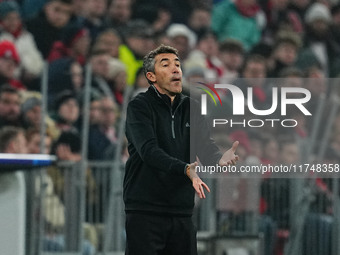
column 219, row 41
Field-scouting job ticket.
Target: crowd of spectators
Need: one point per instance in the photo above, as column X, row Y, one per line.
column 248, row 42
column 218, row 42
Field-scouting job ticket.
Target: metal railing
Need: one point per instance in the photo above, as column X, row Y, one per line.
column 58, row 196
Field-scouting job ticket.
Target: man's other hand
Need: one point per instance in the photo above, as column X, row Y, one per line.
column 197, row 183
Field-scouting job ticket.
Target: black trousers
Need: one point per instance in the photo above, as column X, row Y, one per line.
column 159, row 235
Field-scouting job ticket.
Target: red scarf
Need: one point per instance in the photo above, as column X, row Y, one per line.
column 119, row 97
column 260, row 94
column 211, row 65
column 17, row 32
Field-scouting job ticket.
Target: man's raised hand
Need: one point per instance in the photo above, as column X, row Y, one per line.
column 229, row 157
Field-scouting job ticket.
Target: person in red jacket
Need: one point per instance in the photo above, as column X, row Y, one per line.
column 74, row 43
column 9, row 61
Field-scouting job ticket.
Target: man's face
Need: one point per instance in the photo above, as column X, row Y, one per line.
column 199, row 19
column 286, row 53
column 7, row 67
column 254, row 70
column 108, row 112
column 77, row 76
column 320, row 28
column 289, row 154
column 293, row 81
column 82, row 45
column 33, row 144
column 140, row 45
column 58, row 13
column 19, row 144
column 110, row 43
column 181, row 43
column 11, row 22
column 231, row 60
column 120, row 10
column 120, row 81
column 168, row 74
column 33, row 116
column 96, row 8
column 9, row 106
column 208, row 46
column 69, row 110
column 95, row 112
column 100, row 65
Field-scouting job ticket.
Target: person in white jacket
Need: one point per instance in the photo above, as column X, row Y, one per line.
column 12, row 29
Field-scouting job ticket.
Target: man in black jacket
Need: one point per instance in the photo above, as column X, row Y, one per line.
column 160, row 182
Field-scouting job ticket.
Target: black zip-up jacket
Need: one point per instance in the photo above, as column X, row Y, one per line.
column 158, row 136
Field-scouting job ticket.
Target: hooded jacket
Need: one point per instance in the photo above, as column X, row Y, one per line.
column 159, row 145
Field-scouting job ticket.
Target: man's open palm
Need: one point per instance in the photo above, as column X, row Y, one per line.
column 229, row 157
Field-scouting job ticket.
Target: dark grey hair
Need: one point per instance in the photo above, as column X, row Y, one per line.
column 149, row 59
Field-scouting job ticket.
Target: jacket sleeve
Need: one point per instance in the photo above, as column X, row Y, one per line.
column 202, row 143
column 31, row 58
column 140, row 132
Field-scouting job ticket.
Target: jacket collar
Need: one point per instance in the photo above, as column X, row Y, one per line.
column 166, row 99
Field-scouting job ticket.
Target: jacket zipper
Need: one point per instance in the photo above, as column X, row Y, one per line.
column 173, row 126
column 173, row 120
column 172, row 115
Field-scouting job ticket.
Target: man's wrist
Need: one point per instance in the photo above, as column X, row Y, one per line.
column 187, row 171
column 191, row 173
